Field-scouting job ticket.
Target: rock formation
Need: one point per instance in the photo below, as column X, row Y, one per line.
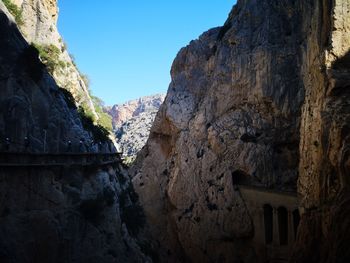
column 255, row 102
column 122, row 112
column 56, row 211
column 39, row 27
column 324, row 166
column 257, row 112
column 132, row 122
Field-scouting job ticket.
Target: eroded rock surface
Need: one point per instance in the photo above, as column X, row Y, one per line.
column 323, row 184
column 253, row 102
column 122, row 112
column 55, row 212
column 40, row 28
column 132, row 122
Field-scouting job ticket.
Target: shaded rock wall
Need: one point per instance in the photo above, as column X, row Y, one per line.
column 31, row 102
column 64, row 215
column 233, row 107
column 261, row 97
column 324, row 149
column 61, row 214
column 40, row 27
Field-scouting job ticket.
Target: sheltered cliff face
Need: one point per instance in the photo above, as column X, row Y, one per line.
column 323, row 184
column 248, row 105
column 231, row 116
column 55, row 209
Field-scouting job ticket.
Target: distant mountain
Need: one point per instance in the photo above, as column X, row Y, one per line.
column 132, row 122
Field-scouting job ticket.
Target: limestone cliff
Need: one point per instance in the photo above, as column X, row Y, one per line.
column 253, row 103
column 56, row 210
column 122, row 112
column 132, row 122
column 39, row 18
column 324, row 167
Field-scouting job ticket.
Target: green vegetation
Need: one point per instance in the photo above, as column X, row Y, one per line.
column 105, row 120
column 49, row 54
column 98, row 132
column 129, row 160
column 15, row 11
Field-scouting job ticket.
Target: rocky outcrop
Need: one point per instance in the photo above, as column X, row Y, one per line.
column 39, row 27
column 122, row 112
column 132, row 122
column 249, row 104
column 68, row 215
column 132, row 134
column 54, row 211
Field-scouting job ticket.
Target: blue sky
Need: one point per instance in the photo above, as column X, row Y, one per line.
column 127, row 47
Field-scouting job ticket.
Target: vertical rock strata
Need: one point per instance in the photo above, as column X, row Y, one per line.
column 324, row 233
column 256, row 102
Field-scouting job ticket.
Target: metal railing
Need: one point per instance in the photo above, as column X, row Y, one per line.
column 23, row 159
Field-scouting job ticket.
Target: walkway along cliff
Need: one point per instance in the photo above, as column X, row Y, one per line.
column 64, row 194
column 248, row 159
column 261, row 103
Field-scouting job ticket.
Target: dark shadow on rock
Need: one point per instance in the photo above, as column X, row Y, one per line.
column 32, row 65
column 343, row 62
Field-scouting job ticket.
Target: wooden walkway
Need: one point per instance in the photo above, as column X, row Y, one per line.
column 21, row 159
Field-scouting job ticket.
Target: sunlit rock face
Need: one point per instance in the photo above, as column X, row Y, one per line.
column 132, row 122
column 63, row 212
column 40, row 28
column 122, row 112
column 252, row 96
column 31, row 102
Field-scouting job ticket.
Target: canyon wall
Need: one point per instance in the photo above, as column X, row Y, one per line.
column 260, row 101
column 56, row 210
column 132, row 122
column 122, row 112
column 324, row 167
column 39, row 26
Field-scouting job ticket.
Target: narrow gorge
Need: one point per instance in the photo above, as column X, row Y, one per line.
column 247, row 160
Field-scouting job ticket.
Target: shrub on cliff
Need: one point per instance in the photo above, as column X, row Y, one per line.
column 15, row 11
column 105, row 120
column 98, row 132
column 50, row 56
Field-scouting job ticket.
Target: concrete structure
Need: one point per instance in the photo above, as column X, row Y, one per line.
column 276, row 217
